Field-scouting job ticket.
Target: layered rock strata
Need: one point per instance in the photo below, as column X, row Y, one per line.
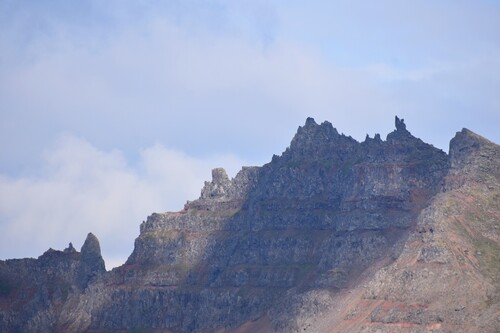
column 33, row 291
column 314, row 217
column 286, row 246
column 447, row 277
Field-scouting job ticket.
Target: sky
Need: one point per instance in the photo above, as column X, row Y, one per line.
column 113, row 110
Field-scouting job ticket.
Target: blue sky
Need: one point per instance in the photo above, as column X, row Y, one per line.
column 112, row 110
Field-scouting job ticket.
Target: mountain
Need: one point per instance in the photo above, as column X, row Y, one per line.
column 334, row 235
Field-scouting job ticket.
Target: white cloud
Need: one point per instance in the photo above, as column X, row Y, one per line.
column 162, row 83
column 172, row 74
column 82, row 189
column 207, row 79
column 158, row 80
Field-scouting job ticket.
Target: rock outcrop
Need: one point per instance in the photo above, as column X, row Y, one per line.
column 332, row 224
column 447, row 277
column 33, row 291
column 92, row 264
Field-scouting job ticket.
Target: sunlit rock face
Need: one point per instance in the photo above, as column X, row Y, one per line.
column 271, row 249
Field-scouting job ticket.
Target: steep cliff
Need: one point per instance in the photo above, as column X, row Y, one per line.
column 33, row 291
column 447, row 277
column 332, row 224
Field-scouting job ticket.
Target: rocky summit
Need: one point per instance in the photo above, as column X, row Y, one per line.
column 333, row 235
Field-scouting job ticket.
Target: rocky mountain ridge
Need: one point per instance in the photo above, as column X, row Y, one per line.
column 331, row 224
column 33, row 291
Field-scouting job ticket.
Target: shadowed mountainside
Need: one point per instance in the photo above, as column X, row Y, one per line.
column 447, row 277
column 332, row 236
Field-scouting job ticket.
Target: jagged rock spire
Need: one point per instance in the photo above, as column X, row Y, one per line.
column 70, row 248
column 218, row 187
column 92, row 263
column 91, row 247
column 312, row 134
column 401, row 134
column 400, row 124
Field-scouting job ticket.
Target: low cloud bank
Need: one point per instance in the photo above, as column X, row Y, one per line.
column 82, row 189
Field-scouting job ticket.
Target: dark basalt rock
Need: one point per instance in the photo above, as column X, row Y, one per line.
column 70, row 248
column 36, row 289
column 400, row 124
column 314, row 218
column 91, row 262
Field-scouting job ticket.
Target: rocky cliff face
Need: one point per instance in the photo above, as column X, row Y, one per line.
column 447, row 276
column 330, row 224
column 33, row 291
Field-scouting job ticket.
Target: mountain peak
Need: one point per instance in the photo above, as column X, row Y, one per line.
column 400, row 124
column 469, row 150
column 312, row 134
column 310, row 122
column 70, row 249
column 277, row 248
column 467, row 138
column 91, row 246
column 219, row 186
column 92, row 263
column 401, row 133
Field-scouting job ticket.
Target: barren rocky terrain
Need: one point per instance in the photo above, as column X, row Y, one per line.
column 333, row 235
